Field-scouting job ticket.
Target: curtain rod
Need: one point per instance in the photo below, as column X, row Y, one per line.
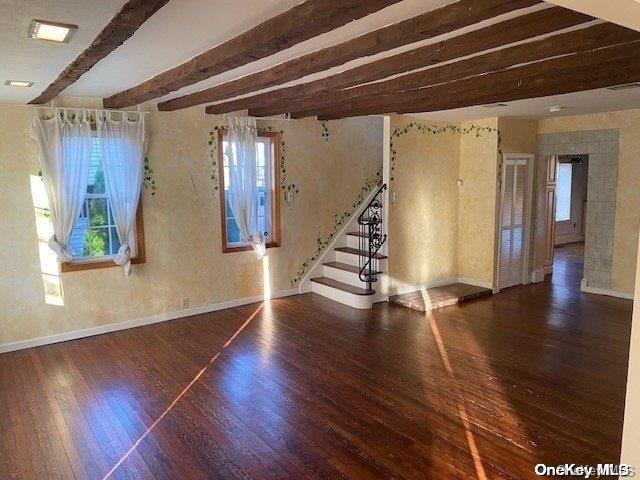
column 39, row 107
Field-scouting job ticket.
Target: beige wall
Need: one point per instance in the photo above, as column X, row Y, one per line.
column 627, row 218
column 477, row 208
column 182, row 225
column 451, row 228
column 518, row 135
column 423, row 227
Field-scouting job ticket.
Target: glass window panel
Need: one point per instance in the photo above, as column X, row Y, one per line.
column 98, row 212
column 563, row 192
column 96, row 242
column 233, row 232
column 115, row 243
column 96, row 176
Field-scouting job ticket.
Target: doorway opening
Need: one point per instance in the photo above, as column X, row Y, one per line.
column 570, row 214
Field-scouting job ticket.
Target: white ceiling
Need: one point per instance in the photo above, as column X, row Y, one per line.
column 622, row 12
column 591, row 101
column 22, row 58
column 185, row 28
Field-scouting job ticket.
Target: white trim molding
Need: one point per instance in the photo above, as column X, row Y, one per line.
column 603, row 291
column 137, row 322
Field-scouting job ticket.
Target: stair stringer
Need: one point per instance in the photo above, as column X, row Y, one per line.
column 340, row 240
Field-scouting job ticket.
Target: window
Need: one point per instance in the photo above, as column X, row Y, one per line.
column 268, row 199
column 94, row 239
column 563, row 191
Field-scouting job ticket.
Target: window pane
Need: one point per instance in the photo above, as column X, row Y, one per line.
column 563, row 192
column 233, row 232
column 115, row 243
column 96, row 242
column 96, row 176
column 98, row 212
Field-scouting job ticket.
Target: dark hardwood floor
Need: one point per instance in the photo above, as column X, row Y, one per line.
column 312, row 389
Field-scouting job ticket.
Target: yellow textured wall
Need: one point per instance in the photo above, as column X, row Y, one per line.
column 625, row 235
column 182, row 225
column 518, row 135
column 477, row 205
column 423, row 225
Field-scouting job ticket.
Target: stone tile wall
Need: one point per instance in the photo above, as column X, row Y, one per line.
column 602, row 147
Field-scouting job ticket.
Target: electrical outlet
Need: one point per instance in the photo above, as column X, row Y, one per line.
column 185, row 303
column 394, row 197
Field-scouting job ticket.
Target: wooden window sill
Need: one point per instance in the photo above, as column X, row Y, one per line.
column 246, row 248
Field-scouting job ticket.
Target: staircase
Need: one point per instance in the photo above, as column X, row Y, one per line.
column 350, row 272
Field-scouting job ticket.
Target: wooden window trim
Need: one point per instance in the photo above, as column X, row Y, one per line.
column 275, row 192
column 90, row 265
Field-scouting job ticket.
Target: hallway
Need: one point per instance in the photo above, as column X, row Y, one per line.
column 568, row 264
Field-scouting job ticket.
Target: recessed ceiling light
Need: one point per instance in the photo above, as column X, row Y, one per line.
column 18, row 83
column 495, row 105
column 556, row 108
column 51, row 31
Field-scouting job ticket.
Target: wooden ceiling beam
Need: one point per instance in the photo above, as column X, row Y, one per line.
column 586, row 39
column 296, row 25
column 517, row 29
column 436, row 22
column 572, row 73
column 121, row 27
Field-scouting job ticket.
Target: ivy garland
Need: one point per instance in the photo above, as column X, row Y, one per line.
column 338, row 222
column 325, row 131
column 149, row 181
column 289, row 190
column 474, row 129
column 213, row 163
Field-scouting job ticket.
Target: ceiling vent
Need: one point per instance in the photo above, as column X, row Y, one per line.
column 626, row 86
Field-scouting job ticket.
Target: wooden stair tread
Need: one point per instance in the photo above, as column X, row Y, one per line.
column 362, row 253
column 345, row 287
column 346, row 267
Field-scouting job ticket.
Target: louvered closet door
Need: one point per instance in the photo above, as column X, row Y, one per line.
column 512, row 231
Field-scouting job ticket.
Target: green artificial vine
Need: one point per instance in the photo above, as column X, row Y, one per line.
column 213, row 158
column 289, row 190
column 325, row 131
column 339, row 220
column 474, row 129
column 149, row 181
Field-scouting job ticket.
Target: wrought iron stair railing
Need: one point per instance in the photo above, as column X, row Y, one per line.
column 371, row 237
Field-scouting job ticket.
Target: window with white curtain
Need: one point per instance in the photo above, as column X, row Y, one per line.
column 563, row 191
column 267, row 158
column 94, row 240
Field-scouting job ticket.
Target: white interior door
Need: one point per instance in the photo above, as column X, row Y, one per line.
column 512, row 221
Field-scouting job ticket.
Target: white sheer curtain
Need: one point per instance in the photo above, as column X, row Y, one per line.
column 122, row 147
column 243, row 188
column 64, row 150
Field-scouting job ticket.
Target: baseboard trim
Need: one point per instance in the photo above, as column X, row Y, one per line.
column 604, row 291
column 477, row 283
column 137, row 322
column 412, row 288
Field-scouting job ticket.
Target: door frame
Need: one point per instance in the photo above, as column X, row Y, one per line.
column 528, row 217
